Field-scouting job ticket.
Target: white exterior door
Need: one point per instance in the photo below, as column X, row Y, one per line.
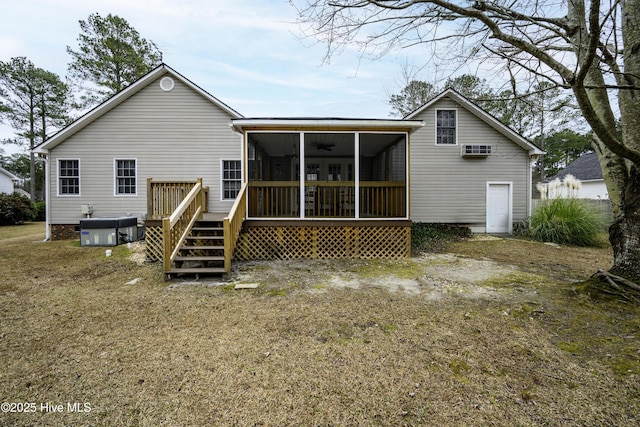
column 499, row 207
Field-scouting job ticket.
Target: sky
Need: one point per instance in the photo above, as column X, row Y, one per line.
column 250, row 54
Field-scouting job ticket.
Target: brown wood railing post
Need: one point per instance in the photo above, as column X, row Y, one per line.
column 166, row 244
column 149, row 199
column 200, row 198
column 228, row 250
column 205, row 199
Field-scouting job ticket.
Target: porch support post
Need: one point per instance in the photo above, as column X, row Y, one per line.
column 303, row 176
column 407, row 178
column 356, row 171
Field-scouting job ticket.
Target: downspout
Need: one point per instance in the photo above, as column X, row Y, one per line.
column 532, row 162
column 47, row 196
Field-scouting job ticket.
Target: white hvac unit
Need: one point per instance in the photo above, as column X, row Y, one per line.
column 475, row 150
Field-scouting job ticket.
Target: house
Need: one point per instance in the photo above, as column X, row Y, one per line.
column 167, row 152
column 469, row 168
column 8, row 181
column 587, row 169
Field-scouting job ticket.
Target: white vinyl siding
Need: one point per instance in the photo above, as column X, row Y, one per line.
column 231, row 179
column 449, row 188
column 174, row 136
column 125, row 177
column 6, row 183
column 68, row 177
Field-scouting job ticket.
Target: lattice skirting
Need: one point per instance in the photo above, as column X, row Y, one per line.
column 153, row 242
column 292, row 242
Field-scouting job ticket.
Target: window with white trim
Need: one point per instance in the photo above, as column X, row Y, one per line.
column 69, row 177
column 231, row 179
column 125, row 177
column 446, row 127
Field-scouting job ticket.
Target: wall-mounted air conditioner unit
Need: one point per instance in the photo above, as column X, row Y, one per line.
column 475, row 150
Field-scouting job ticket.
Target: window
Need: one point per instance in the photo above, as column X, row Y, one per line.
column 231, row 179
column 69, row 177
column 125, row 177
column 446, row 127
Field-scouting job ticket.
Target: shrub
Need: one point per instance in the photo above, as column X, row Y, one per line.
column 566, row 221
column 15, row 209
column 41, row 211
column 431, row 237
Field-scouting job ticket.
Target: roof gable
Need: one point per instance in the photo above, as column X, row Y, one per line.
column 122, row 96
column 585, row 168
column 482, row 115
column 9, row 174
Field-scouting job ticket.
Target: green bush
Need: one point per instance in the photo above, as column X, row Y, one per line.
column 41, row 211
column 15, row 209
column 431, row 236
column 566, row 221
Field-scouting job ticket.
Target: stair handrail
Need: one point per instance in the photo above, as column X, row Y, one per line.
column 233, row 225
column 177, row 227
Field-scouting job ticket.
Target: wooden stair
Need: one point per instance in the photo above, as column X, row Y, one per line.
column 203, row 251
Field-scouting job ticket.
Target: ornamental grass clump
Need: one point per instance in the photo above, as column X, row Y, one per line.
column 564, row 219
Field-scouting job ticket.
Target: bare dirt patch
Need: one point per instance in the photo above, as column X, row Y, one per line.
column 432, row 276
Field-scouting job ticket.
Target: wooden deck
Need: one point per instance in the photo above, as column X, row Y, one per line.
column 273, row 238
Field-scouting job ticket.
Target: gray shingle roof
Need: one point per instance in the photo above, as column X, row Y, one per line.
column 585, row 168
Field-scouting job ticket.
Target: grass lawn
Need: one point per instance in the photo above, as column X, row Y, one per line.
column 525, row 347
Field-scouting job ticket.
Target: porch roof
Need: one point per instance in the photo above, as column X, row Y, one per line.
column 326, row 124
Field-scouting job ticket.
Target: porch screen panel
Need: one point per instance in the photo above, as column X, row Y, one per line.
column 274, row 175
column 329, row 164
column 383, row 175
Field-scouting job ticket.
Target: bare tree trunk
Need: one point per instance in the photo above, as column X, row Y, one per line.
column 624, row 233
column 621, row 175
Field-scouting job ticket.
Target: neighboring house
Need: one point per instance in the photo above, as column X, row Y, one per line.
column 8, row 181
column 316, row 187
column 587, row 169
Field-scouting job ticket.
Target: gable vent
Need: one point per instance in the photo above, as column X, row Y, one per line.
column 476, row 150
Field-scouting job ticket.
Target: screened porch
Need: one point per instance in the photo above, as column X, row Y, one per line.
column 327, row 175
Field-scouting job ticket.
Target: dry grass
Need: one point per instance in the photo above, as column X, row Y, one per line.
column 307, row 354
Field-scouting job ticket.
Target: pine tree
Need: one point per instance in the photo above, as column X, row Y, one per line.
column 34, row 102
column 111, row 55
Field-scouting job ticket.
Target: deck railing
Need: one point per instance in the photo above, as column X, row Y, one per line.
column 274, row 199
column 327, row 199
column 163, row 197
column 233, row 225
column 177, row 227
column 383, row 199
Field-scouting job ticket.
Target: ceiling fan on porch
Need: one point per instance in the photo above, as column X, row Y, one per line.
column 324, row 147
